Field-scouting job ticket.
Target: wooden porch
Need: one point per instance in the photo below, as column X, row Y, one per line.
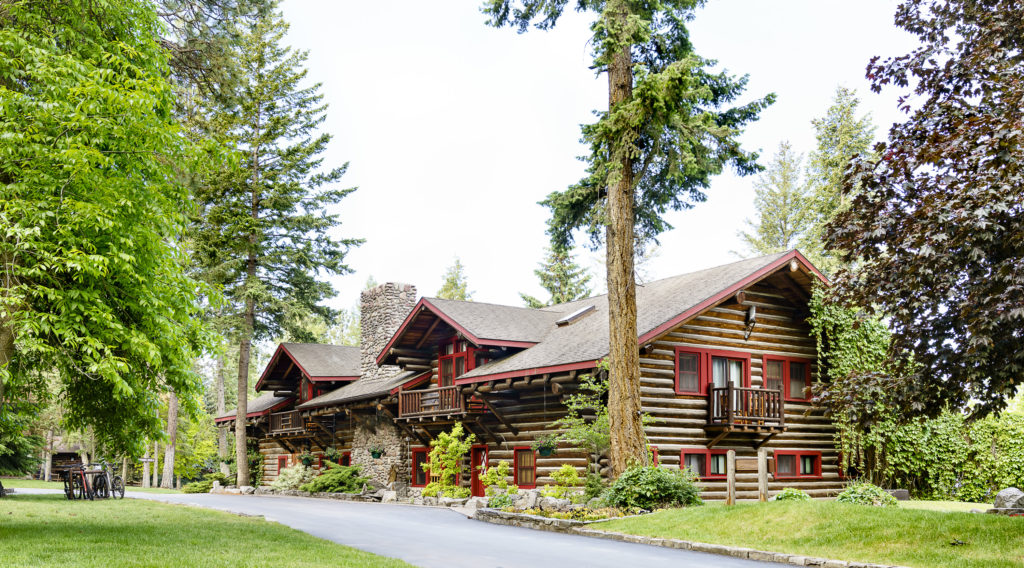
column 287, row 423
column 746, row 410
column 443, row 403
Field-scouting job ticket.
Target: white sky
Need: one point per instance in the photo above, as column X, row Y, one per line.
column 455, row 130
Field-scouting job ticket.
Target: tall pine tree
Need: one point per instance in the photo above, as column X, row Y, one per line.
column 263, row 232
column 455, row 286
column 562, row 277
column 667, row 130
column 783, row 208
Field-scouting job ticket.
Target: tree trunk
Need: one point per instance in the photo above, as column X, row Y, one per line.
column 626, row 428
column 222, row 432
column 172, row 433
column 156, row 464
column 124, row 469
column 6, row 354
column 241, row 452
column 145, row 468
column 48, row 464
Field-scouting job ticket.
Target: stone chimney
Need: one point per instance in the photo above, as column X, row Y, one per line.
column 382, row 309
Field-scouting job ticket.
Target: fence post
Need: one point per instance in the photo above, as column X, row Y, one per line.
column 730, row 470
column 762, row 474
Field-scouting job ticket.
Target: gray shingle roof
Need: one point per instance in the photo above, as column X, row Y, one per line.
column 497, row 322
column 359, row 390
column 259, row 404
column 320, row 360
column 658, row 302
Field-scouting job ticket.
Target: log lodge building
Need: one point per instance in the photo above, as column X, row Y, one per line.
column 726, row 361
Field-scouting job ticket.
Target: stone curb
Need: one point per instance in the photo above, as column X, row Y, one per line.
column 580, row 528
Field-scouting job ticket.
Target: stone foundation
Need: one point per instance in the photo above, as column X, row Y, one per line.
column 390, row 469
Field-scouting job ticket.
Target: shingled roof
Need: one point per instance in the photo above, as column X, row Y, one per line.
column 258, row 406
column 660, row 305
column 360, row 390
column 318, row 360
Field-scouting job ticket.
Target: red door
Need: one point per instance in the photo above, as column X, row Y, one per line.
column 478, row 457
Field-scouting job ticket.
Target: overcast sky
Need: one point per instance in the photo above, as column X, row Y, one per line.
column 454, row 130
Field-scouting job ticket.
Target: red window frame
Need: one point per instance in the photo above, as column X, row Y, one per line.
column 320, row 462
column 654, row 455
column 797, row 459
column 515, row 471
column 706, row 474
column 426, row 459
column 469, row 356
column 282, row 462
column 346, row 459
column 786, row 394
column 704, row 370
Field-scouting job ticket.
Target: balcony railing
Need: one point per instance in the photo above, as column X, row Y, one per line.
column 427, row 402
column 742, row 406
column 286, row 422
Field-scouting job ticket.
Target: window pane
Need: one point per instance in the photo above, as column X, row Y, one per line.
column 688, row 380
column 418, row 459
column 449, row 348
column 460, row 366
column 717, row 465
column 524, row 467
column 720, row 371
column 785, row 465
column 807, row 465
column 446, row 372
column 797, row 380
column 462, row 347
column 736, row 372
column 695, row 462
column 773, row 375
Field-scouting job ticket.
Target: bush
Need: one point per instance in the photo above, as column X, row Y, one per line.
column 566, row 480
column 648, row 487
column 791, row 494
column 595, row 487
column 500, row 501
column 337, row 479
column 218, row 476
column 292, row 478
column 198, row 487
column 866, row 494
column 446, row 454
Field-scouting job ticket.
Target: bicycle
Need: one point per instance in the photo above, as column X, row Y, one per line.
column 105, row 485
column 76, row 485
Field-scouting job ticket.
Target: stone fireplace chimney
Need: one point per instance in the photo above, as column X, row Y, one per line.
column 382, row 309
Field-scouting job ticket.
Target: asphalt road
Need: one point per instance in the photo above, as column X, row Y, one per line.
column 442, row 538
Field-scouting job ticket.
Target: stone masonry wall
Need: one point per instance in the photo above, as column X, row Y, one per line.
column 381, row 433
column 382, row 310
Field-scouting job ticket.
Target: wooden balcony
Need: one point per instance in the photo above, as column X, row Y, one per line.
column 743, row 409
column 438, row 401
column 286, row 423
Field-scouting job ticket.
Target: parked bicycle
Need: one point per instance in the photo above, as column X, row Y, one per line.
column 76, row 484
column 104, row 484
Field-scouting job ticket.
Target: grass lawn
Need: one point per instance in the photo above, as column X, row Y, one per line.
column 14, row 483
column 904, row 536
column 47, row 530
column 948, row 506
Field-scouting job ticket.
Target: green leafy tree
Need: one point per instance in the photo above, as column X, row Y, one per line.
column 668, row 129
column 783, row 208
column 934, row 234
column 263, row 232
column 841, row 135
column 447, row 453
column 562, row 277
column 92, row 279
column 455, row 286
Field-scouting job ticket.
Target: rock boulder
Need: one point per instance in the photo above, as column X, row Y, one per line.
column 1009, row 498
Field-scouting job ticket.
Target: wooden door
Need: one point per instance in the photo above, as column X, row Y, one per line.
column 478, row 457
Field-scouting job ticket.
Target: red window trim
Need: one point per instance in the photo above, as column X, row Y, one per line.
column 785, row 375
column 345, row 456
column 797, row 455
column 704, row 376
column 282, row 462
column 412, row 458
column 654, row 455
column 320, row 462
column 469, row 354
column 515, row 471
column 707, row 460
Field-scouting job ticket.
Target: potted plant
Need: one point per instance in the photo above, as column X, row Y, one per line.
column 333, row 455
column 546, row 445
column 376, row 451
column 306, row 458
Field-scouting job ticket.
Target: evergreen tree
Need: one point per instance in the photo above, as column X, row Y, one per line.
column 455, row 286
column 784, row 212
column 841, row 135
column 562, row 277
column 667, row 130
column 263, row 231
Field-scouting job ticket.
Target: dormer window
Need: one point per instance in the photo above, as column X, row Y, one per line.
column 456, row 359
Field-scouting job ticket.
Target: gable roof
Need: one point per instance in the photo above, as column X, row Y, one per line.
column 263, row 404
column 661, row 305
column 317, row 361
column 360, row 390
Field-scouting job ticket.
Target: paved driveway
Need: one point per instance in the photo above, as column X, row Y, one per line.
column 442, row 538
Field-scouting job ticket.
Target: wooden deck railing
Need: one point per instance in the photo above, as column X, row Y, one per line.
column 439, row 400
column 286, row 422
column 734, row 405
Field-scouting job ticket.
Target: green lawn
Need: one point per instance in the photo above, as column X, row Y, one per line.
column 948, row 506
column 904, row 536
column 14, row 483
column 47, row 530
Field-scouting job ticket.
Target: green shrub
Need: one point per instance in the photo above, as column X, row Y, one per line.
column 446, row 454
column 866, row 494
column 648, row 487
column 791, row 494
column 218, row 476
column 198, row 486
column 595, row 487
column 566, row 480
column 500, row 501
column 292, row 478
column 337, row 479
